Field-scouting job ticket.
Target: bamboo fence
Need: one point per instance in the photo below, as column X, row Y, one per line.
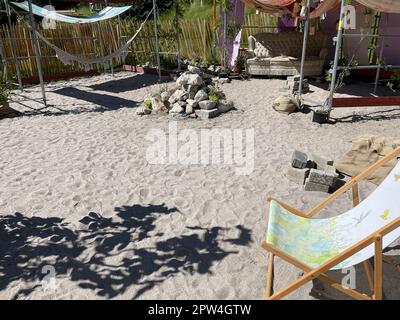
column 94, row 40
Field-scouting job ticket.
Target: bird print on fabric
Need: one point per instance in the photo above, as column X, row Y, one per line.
column 385, row 215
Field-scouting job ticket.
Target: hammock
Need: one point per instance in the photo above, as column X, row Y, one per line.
column 83, row 63
column 105, row 14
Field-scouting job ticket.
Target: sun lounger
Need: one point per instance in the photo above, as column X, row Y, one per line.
column 319, row 245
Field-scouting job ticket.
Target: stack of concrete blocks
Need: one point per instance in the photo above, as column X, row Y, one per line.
column 293, row 84
column 314, row 172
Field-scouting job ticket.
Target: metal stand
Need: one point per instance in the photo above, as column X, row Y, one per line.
column 304, row 52
column 37, row 51
column 13, row 49
column 156, row 38
column 338, row 49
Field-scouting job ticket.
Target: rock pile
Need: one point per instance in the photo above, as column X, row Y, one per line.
column 314, row 172
column 195, row 94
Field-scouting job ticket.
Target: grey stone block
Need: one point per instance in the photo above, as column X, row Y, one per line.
column 207, row 105
column 207, row 114
column 322, row 177
column 298, row 176
column 321, row 163
column 312, row 186
column 299, row 159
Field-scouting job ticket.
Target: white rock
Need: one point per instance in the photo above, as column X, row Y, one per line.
column 140, row 111
column 192, row 103
column 176, row 108
column 189, row 109
column 194, row 69
column 158, row 105
column 165, row 96
column 177, row 95
column 200, row 96
column 189, row 79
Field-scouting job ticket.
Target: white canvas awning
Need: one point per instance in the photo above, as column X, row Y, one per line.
column 106, row 13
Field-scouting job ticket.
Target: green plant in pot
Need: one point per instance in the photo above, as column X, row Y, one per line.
column 239, row 63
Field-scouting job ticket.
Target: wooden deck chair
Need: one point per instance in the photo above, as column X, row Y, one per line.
column 319, row 245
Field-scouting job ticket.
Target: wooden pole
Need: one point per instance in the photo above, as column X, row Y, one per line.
column 37, row 52
column 356, row 202
column 270, row 276
column 378, row 268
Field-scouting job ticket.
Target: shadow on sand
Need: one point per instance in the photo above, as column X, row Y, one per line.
column 108, row 255
column 135, row 82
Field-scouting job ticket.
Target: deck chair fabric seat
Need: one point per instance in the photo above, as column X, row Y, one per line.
column 315, row 241
column 319, row 245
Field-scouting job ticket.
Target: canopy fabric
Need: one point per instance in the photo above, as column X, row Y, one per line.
column 324, row 7
column 277, row 3
column 263, row 6
column 391, row 6
column 105, row 14
column 315, row 241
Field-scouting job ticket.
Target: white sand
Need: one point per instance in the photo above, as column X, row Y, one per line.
column 203, row 243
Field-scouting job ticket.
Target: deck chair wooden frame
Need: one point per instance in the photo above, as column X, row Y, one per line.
column 374, row 277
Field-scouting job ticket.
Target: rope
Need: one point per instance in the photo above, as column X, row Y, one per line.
column 83, row 63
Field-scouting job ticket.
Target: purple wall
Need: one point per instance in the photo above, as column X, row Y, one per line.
column 392, row 46
column 351, row 45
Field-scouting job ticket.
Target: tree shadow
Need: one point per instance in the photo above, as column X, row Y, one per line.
column 109, row 255
column 104, row 101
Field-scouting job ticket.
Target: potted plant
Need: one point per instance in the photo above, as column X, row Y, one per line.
column 239, row 64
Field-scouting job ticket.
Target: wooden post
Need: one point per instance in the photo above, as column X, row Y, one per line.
column 270, row 276
column 378, row 268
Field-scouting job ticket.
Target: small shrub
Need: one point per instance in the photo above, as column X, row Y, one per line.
column 147, row 104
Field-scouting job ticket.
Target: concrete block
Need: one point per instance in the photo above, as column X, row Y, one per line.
column 312, row 186
column 322, row 177
column 299, row 159
column 207, row 114
column 207, row 105
column 321, row 163
column 298, row 176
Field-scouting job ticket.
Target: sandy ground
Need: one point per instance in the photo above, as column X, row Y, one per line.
column 79, row 201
